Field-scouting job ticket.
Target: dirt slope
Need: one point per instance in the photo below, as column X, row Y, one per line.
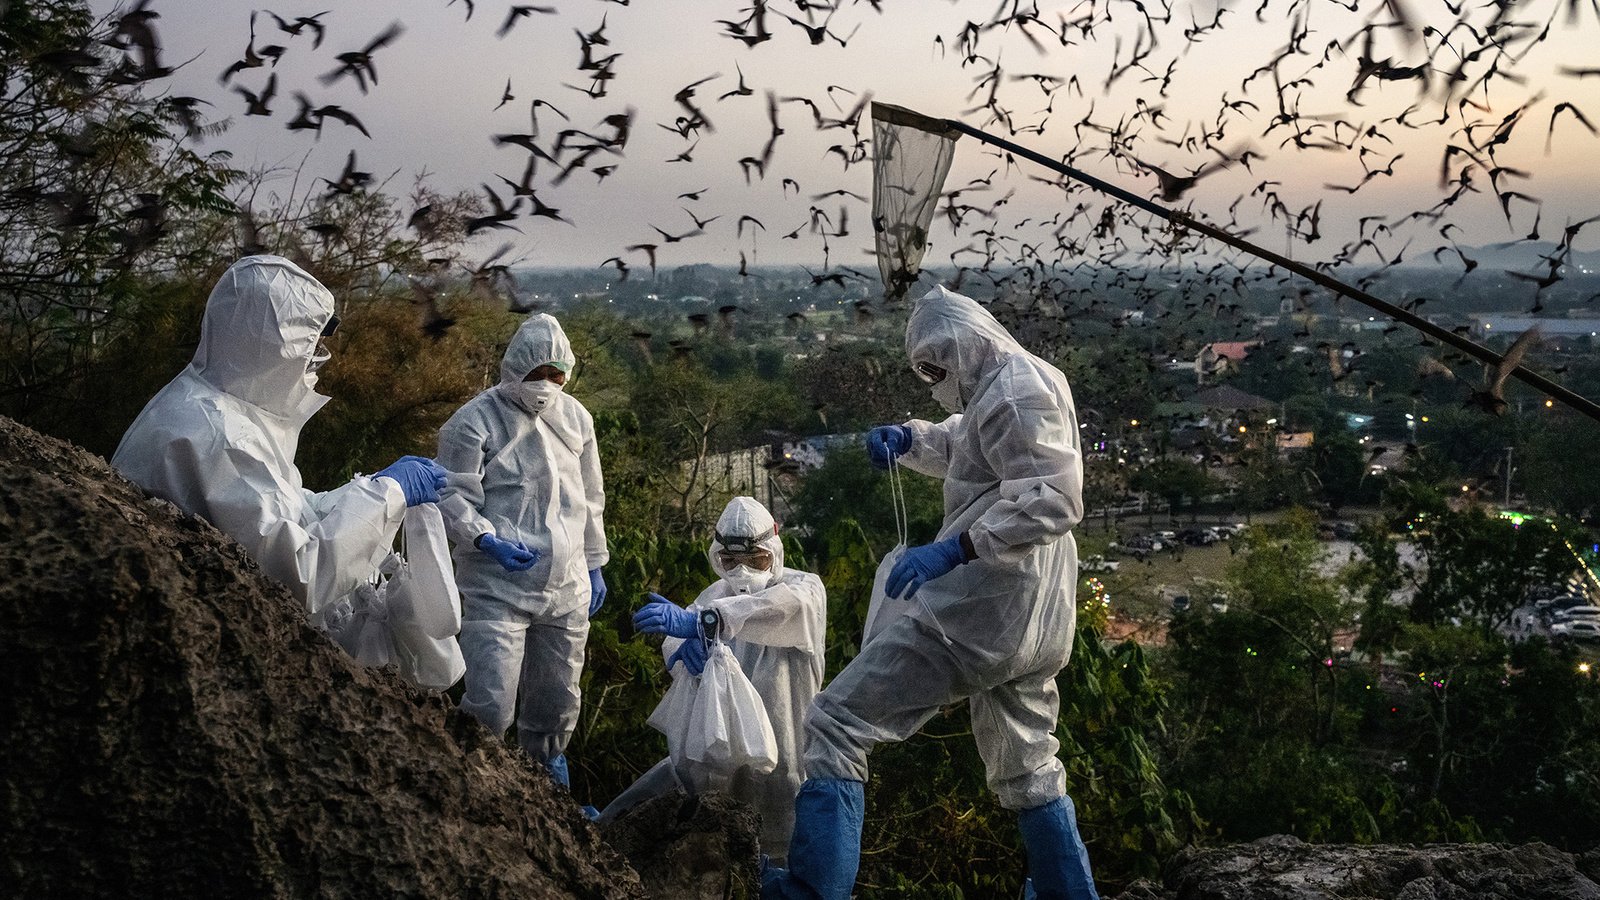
column 172, row 728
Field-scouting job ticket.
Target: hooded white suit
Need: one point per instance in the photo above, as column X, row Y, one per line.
column 778, row 633
column 1013, row 481
column 531, row 475
column 219, row 440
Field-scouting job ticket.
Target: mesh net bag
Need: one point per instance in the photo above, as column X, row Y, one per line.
column 913, row 153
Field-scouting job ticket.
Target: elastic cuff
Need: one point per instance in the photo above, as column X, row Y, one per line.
column 968, row 553
column 477, row 542
column 394, row 496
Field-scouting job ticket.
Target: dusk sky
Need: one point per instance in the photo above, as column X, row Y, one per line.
column 433, row 111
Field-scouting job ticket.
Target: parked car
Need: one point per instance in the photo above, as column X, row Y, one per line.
column 1180, row 603
column 1198, row 537
column 1576, row 613
column 1558, row 603
column 1098, row 563
column 1576, row 630
column 1144, row 543
column 1553, row 605
column 1345, row 531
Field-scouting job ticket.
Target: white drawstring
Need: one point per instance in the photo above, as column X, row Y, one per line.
column 902, row 524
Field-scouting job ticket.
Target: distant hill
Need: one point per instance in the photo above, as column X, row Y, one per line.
column 1520, row 256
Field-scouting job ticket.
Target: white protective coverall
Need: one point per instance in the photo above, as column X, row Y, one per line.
column 777, row 633
column 533, row 477
column 219, row 440
column 996, row 630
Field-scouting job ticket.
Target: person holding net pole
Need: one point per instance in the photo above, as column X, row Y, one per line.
column 995, row 613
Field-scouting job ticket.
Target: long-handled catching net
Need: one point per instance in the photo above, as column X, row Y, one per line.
column 914, row 153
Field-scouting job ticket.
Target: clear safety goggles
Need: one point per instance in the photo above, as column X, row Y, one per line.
column 321, row 354
column 760, row 560
column 928, row 372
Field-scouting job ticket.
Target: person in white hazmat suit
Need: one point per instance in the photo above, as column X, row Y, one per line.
column 525, row 509
column 219, row 440
column 774, row 619
column 991, row 607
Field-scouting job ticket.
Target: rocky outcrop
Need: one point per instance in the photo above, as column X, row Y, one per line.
column 1283, row 868
column 172, row 728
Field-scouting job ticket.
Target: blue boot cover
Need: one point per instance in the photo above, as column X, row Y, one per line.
column 558, row 771
column 825, row 850
column 1057, row 859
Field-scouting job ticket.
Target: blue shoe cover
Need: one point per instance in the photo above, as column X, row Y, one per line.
column 558, row 771
column 825, row 851
column 1057, row 859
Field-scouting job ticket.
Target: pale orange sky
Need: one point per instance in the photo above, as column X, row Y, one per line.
column 441, row 79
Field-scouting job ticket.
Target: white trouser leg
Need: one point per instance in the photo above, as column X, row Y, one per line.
column 551, row 700
column 492, row 644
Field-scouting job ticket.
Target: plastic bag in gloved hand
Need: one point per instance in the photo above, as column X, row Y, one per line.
column 427, row 662
column 673, row 714
column 728, row 724
column 367, row 636
column 881, row 610
column 423, row 593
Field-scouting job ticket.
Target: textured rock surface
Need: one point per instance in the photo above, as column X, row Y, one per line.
column 1283, row 868
column 691, row 848
column 172, row 728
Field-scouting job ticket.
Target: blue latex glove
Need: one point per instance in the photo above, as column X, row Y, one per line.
column 692, row 653
column 597, row 590
column 920, row 565
column 420, row 478
column 662, row 616
column 513, row 556
column 887, row 442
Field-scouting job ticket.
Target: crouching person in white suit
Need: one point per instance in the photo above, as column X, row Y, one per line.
column 219, row 440
column 774, row 619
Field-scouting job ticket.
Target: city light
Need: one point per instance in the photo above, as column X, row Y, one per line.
column 1134, row 422
column 1549, row 403
column 1583, row 668
column 1241, row 429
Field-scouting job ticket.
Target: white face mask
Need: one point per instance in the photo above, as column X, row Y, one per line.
column 533, row 396
column 745, row 580
column 948, row 393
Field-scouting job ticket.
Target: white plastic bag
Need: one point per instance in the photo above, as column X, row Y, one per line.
column 672, row 715
column 729, row 727
column 423, row 593
column 715, row 722
column 881, row 610
column 427, row 662
column 424, row 605
column 367, row 636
